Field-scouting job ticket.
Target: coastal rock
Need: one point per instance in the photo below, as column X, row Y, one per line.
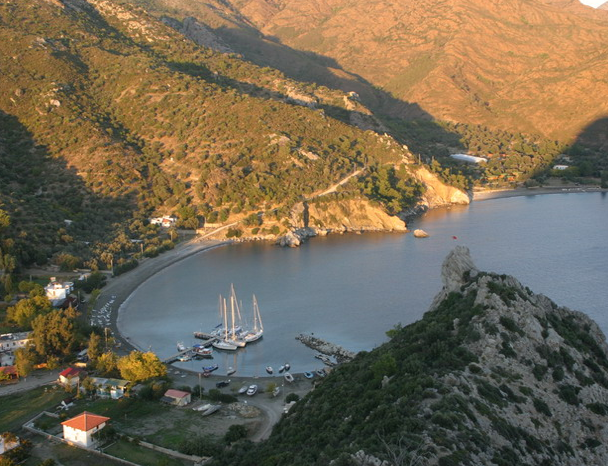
column 326, row 348
column 457, row 268
column 418, row 233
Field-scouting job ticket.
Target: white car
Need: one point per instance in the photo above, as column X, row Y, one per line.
column 252, row 390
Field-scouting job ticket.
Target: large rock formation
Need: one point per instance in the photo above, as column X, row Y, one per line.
column 492, row 375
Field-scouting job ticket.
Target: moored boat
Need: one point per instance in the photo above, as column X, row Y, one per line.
column 230, row 371
column 252, row 390
column 309, row 375
column 269, row 369
column 281, row 369
column 212, row 368
column 287, row 366
column 288, row 377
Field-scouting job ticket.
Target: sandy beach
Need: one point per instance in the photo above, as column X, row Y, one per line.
column 120, row 288
column 504, row 193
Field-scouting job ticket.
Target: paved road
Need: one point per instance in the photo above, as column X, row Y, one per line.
column 35, row 379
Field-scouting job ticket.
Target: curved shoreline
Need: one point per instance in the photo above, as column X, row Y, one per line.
column 122, row 287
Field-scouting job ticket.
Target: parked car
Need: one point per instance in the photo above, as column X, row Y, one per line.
column 222, row 383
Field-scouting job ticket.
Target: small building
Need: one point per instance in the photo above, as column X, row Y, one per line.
column 110, row 388
column 10, row 371
column 561, row 167
column 71, row 376
column 13, row 341
column 177, row 397
column 58, row 292
column 80, row 429
column 469, row 158
column 165, row 222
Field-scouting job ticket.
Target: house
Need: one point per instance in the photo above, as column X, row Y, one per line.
column 71, row 376
column 80, row 429
column 58, row 292
column 560, row 167
column 165, row 222
column 10, row 371
column 176, row 397
column 113, row 388
column 13, row 341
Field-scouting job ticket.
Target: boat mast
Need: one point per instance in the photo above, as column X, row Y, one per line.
column 232, row 312
column 225, row 321
column 256, row 315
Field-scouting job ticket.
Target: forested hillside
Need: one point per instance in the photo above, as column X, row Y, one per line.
column 110, row 116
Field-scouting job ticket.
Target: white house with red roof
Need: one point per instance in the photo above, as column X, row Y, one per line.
column 71, row 376
column 176, row 397
column 80, row 429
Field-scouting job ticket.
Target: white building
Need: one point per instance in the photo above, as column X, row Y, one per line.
column 468, row 158
column 560, row 167
column 56, row 291
column 80, row 429
column 166, row 221
column 13, row 341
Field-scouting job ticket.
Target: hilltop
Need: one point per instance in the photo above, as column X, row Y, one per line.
column 493, row 374
column 532, row 66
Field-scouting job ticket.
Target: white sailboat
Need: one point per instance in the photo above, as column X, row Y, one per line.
column 224, row 343
column 235, row 332
column 258, row 327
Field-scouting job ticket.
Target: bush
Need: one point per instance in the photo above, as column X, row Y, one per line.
column 235, row 432
column 292, row 397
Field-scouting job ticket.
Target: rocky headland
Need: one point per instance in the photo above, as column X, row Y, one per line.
column 492, row 375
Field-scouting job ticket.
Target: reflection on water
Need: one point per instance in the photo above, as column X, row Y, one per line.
column 350, row 289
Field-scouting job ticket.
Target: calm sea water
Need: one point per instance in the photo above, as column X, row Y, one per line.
column 351, row 289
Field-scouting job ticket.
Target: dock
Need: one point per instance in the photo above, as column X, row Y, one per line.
column 173, row 358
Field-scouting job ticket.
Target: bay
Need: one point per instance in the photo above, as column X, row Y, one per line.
column 350, row 289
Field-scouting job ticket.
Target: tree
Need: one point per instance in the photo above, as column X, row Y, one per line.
column 24, row 361
column 107, row 364
column 138, row 366
column 53, row 334
column 94, row 349
column 26, row 310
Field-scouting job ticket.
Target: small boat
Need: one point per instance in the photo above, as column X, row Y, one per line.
column 281, row 369
column 287, row 366
column 210, row 368
column 252, row 390
column 212, row 409
column 309, row 375
column 243, row 390
column 288, row 377
column 321, row 373
column 230, row 371
column 276, row 391
column 184, row 358
column 269, row 369
column 181, row 347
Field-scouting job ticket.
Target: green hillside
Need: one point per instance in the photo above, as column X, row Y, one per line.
column 117, row 117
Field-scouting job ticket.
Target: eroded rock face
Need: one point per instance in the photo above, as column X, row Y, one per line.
column 457, row 268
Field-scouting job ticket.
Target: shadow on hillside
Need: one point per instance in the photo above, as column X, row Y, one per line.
column 406, row 121
column 50, row 206
column 595, row 135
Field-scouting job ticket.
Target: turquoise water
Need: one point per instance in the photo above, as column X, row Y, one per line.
column 351, row 289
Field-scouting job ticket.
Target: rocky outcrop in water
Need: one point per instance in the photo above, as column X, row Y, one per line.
column 326, row 348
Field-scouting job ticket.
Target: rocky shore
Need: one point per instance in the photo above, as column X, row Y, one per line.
column 326, row 348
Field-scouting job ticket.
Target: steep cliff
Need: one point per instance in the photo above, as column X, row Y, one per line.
column 493, row 374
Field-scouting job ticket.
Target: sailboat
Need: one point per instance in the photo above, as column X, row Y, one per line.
column 258, row 328
column 235, row 330
column 224, row 343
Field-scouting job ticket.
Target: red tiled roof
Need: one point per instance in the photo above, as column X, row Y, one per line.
column 70, row 372
column 9, row 370
column 176, row 393
column 85, row 421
